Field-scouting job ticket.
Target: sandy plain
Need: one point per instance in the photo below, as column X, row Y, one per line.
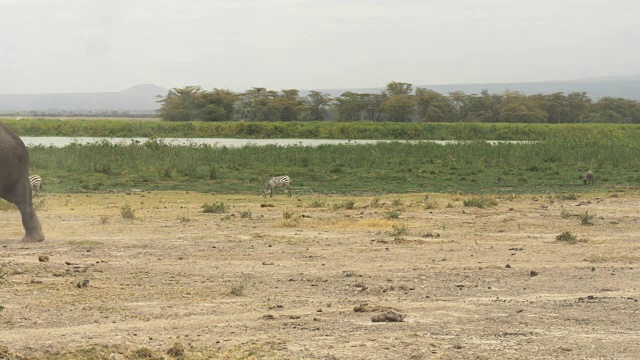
column 303, row 277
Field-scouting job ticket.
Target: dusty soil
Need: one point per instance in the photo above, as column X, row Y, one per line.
column 442, row 280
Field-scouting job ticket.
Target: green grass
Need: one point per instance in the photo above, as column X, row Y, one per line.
column 320, row 130
column 474, row 167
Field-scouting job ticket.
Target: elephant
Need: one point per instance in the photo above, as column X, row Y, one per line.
column 14, row 182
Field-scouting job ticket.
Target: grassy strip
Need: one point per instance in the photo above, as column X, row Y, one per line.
column 320, row 130
column 474, row 167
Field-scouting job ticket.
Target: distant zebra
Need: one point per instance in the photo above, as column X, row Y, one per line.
column 36, row 184
column 275, row 182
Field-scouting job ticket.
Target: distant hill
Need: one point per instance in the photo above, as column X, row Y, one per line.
column 140, row 98
column 627, row 87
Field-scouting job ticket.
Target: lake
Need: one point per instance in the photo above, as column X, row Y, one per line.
column 64, row 141
column 61, row 141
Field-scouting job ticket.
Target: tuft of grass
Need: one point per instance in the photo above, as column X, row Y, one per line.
column 216, row 208
column 482, row 201
column 375, row 203
column 104, row 219
column 567, row 237
column 397, row 230
column 127, row 212
column 184, row 218
column 289, row 214
column 317, row 204
column 291, row 218
column 176, row 350
column 569, row 196
column 565, row 214
column 397, row 202
column 245, row 214
column 347, row 204
column 431, row 205
column 236, row 290
column 391, row 215
column 586, row 218
column 144, row 353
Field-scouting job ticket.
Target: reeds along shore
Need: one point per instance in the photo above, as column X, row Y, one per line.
column 475, row 167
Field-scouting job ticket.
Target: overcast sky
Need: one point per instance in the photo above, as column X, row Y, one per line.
column 53, row 46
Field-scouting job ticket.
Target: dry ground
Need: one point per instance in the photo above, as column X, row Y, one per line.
column 471, row 282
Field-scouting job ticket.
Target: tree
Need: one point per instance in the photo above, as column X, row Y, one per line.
column 180, row 104
column 216, row 105
column 399, row 107
column 432, row 106
column 398, row 88
column 516, row 107
column 372, row 107
column 253, row 104
column 350, row 106
column 290, row 105
column 461, row 104
column 579, row 106
column 555, row 105
column 617, row 110
column 317, row 104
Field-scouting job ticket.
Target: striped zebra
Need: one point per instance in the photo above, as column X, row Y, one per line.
column 36, row 184
column 275, row 182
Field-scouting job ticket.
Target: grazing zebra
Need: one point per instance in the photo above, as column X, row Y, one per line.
column 36, row 184
column 275, row 182
column 587, row 178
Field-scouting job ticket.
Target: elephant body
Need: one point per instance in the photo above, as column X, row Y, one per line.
column 14, row 181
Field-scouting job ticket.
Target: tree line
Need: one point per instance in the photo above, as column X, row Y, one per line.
column 398, row 102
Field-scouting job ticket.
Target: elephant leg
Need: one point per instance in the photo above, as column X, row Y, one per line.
column 21, row 197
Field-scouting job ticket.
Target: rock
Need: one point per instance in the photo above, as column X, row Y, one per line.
column 388, row 316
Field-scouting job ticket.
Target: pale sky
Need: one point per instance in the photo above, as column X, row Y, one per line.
column 51, row 46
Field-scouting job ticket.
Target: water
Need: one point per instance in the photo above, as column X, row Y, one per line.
column 61, row 141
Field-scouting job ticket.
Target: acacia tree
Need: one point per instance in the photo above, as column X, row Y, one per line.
column 516, row 107
column 289, row 105
column 253, row 104
column 398, row 88
column 617, row 110
column 350, row 106
column 432, row 106
column 216, row 105
column 317, row 105
column 398, row 104
column 461, row 105
column 579, row 106
column 180, row 104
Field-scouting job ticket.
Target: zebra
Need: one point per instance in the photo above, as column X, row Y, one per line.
column 587, row 178
column 275, row 182
column 36, row 184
